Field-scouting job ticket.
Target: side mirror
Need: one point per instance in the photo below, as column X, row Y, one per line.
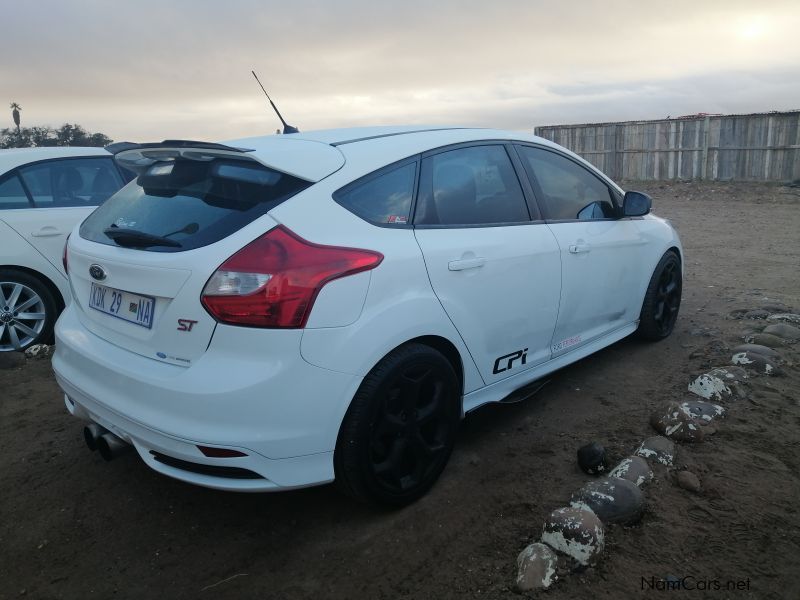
column 636, row 204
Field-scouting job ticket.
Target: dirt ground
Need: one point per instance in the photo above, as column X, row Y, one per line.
column 74, row 526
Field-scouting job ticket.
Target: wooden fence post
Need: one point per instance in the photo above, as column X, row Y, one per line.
column 706, row 138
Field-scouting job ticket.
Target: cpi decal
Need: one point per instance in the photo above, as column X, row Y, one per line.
column 506, row 362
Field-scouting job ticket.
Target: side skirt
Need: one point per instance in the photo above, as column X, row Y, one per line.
column 497, row 392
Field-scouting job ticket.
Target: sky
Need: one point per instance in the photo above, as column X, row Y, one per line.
column 149, row 70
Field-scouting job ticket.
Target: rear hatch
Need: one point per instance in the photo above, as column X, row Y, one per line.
column 139, row 263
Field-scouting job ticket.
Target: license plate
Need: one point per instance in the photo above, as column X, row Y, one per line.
column 133, row 308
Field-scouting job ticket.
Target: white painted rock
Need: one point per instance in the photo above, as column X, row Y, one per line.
column 612, row 499
column 710, row 387
column 758, row 349
column 783, row 330
column 38, row 351
column 765, row 339
column 635, row 469
column 757, row 362
column 786, row 318
column 658, row 449
column 576, row 532
column 683, row 421
column 536, row 567
column 729, row 374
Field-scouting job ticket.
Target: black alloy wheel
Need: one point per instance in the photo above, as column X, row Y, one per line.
column 400, row 429
column 662, row 300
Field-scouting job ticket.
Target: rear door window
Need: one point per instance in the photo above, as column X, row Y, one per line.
column 470, row 186
column 71, row 182
column 185, row 204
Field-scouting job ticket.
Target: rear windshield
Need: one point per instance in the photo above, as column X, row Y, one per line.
column 183, row 204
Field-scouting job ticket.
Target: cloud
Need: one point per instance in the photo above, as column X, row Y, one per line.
column 149, row 70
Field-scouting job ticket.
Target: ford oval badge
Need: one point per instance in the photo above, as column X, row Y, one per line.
column 97, row 272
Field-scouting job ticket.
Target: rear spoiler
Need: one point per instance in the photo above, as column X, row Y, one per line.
column 137, row 157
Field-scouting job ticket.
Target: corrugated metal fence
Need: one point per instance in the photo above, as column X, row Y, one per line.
column 756, row 147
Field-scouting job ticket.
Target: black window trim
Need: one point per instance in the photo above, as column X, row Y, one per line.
column 414, row 159
column 31, row 202
column 530, row 200
column 539, row 193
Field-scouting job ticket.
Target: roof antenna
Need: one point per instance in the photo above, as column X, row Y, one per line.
column 286, row 127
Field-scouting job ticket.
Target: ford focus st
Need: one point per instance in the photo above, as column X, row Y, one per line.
column 285, row 311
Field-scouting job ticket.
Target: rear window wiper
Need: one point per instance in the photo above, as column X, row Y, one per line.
column 131, row 238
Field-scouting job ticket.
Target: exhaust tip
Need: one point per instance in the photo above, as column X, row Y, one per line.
column 110, row 446
column 92, row 433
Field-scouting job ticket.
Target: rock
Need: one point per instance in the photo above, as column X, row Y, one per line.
column 592, row 458
column 536, row 567
column 776, row 308
column 38, row 351
column 11, row 360
column 575, row 531
column 729, row 374
column 612, row 499
column 786, row 318
column 688, row 481
column 634, row 469
column 783, row 330
column 683, row 421
column 757, row 362
column 765, row 339
column 758, row 349
column 703, row 411
column 658, row 449
column 709, row 387
column 756, row 314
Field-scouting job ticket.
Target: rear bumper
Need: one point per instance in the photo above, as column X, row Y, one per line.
column 251, row 391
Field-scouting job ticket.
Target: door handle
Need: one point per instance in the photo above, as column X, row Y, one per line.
column 466, row 263
column 579, row 248
column 47, row 231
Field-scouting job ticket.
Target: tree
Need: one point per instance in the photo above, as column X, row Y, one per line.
column 15, row 108
column 66, row 135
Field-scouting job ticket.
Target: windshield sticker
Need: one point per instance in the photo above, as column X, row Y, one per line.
column 121, row 222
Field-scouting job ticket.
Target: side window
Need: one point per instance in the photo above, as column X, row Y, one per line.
column 470, row 186
column 12, row 195
column 382, row 199
column 569, row 190
column 71, row 182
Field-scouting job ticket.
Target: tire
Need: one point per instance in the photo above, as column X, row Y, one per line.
column 23, row 295
column 662, row 299
column 399, row 431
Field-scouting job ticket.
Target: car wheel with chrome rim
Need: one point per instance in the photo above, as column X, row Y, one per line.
column 27, row 311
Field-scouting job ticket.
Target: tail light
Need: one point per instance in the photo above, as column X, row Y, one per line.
column 64, row 260
column 274, row 280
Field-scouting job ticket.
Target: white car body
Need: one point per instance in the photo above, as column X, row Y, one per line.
column 279, row 396
column 32, row 238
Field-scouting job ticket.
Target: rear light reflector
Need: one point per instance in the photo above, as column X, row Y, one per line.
column 212, row 452
column 274, row 280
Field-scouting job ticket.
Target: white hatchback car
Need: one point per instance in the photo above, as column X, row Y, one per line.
column 283, row 311
column 44, row 193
